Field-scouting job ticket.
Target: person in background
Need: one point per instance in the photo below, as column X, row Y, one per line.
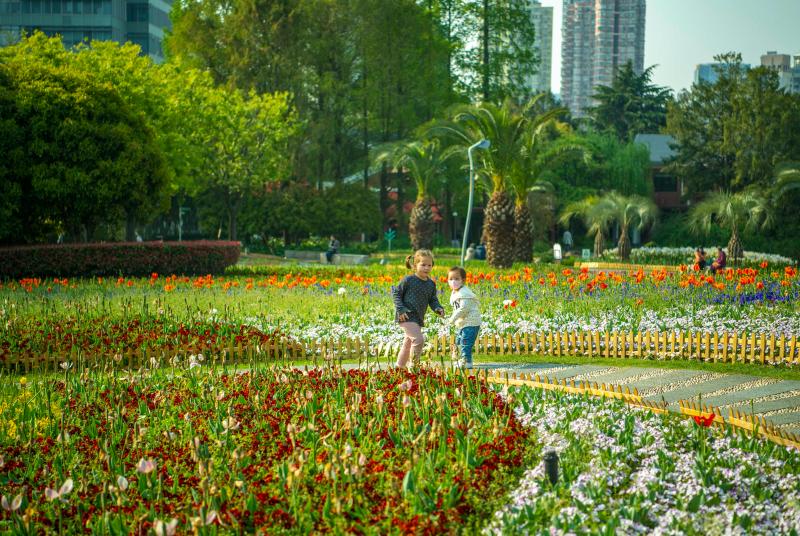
column 700, row 258
column 470, row 254
column 567, row 241
column 480, row 252
column 333, row 249
column 720, row 262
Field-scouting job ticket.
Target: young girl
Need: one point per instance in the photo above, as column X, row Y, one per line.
column 411, row 299
column 466, row 315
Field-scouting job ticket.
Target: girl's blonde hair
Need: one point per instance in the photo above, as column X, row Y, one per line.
column 412, row 260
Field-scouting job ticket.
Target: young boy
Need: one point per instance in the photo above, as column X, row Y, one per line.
column 466, row 315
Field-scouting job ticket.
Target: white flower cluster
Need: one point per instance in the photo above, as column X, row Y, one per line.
column 638, row 473
column 686, row 255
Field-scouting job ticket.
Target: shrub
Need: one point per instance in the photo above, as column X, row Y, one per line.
column 118, row 258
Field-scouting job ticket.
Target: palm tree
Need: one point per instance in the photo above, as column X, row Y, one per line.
column 597, row 222
column 505, row 127
column 748, row 209
column 423, row 161
column 543, row 148
column 631, row 104
column 787, row 178
column 626, row 211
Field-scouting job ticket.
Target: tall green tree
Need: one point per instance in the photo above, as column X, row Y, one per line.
column 622, row 166
column 698, row 122
column 245, row 140
column 748, row 210
column 631, row 105
column 83, row 152
column 358, row 73
column 761, row 131
column 507, row 54
column 732, row 133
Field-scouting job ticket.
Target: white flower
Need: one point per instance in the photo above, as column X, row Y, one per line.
column 15, row 503
column 122, row 482
column 65, row 488
column 341, row 291
column 165, row 529
column 146, row 466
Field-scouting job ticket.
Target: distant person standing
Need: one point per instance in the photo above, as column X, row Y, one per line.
column 480, row 252
column 567, row 240
column 333, row 249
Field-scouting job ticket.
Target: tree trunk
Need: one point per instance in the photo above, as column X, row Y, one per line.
column 420, row 228
column 383, row 194
column 234, row 203
column 523, row 233
column 130, row 227
column 499, row 230
column 624, row 244
column 735, row 249
column 599, row 244
column 401, row 220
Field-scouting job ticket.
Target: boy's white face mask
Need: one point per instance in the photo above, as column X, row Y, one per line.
column 455, row 284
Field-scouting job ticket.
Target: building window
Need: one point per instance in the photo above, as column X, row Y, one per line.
column 665, row 183
column 137, row 12
column 159, row 18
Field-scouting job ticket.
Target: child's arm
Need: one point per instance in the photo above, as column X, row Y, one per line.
column 434, row 303
column 397, row 298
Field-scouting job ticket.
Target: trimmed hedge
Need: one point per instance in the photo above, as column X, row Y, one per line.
column 119, row 258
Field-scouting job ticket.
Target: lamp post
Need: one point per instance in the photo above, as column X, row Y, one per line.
column 483, row 144
column 181, row 211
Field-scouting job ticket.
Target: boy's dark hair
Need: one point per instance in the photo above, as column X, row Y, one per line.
column 462, row 272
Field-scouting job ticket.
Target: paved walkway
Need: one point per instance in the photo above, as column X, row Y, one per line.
column 776, row 400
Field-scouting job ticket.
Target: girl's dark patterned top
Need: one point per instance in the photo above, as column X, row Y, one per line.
column 412, row 296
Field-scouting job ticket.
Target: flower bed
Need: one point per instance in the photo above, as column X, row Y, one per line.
column 628, row 471
column 664, row 255
column 105, row 316
column 278, row 450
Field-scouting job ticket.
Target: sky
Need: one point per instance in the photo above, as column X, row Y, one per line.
column 682, row 33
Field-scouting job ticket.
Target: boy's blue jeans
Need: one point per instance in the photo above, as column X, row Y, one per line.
column 465, row 340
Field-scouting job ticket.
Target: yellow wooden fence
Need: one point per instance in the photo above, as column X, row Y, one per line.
column 666, row 345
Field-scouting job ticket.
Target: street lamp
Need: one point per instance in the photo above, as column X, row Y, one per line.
column 181, row 212
column 483, row 144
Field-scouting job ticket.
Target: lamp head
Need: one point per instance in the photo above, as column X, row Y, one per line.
column 483, row 144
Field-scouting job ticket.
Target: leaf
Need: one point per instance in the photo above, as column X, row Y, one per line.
column 694, row 504
column 408, row 482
